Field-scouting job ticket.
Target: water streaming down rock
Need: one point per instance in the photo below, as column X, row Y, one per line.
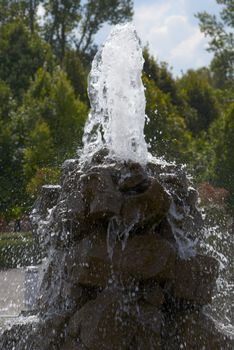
column 122, row 271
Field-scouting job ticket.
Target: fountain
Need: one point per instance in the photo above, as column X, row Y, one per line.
column 121, row 231
column 117, row 98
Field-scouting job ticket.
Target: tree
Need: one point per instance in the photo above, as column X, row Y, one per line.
column 43, row 176
column 77, row 74
column 165, row 130
column 224, row 146
column 62, row 17
column 39, row 151
column 161, row 75
column 7, row 103
column 220, row 32
column 78, row 21
column 202, row 104
column 21, row 54
column 25, row 10
column 12, row 183
column 52, row 100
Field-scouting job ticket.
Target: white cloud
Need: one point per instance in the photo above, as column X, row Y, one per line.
column 172, row 35
column 151, row 13
column 172, row 32
column 190, row 51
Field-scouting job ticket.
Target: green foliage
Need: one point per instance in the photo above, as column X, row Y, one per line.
column 220, row 32
column 202, row 157
column 165, row 130
column 39, row 150
column 21, row 54
column 95, row 13
column 51, row 99
column 64, row 17
column 11, row 177
column 77, row 74
column 224, row 161
column 7, row 104
column 51, row 119
column 161, row 76
column 42, row 177
column 197, row 92
column 25, row 10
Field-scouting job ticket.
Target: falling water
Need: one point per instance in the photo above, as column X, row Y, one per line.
column 117, row 118
column 218, row 241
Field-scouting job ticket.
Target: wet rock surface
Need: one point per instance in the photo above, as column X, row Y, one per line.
column 122, row 272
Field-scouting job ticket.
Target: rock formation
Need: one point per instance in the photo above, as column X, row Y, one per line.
column 121, row 271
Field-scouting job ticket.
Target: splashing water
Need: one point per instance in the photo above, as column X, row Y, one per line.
column 218, row 242
column 116, row 92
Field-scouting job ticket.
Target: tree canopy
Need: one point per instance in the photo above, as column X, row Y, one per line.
column 44, row 66
column 220, row 32
column 76, row 22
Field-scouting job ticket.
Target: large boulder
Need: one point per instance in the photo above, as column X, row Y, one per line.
column 100, row 194
column 116, row 323
column 153, row 294
column 146, row 208
column 143, row 257
column 100, row 324
column 148, row 332
column 133, row 178
column 195, row 279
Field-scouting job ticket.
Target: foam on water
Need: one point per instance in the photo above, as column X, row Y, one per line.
column 117, row 98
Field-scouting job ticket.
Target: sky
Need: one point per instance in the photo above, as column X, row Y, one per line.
column 171, row 31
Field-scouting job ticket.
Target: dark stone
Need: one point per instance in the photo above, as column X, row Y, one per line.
column 145, row 257
column 40, row 334
column 146, row 341
column 73, row 344
column 165, row 231
column 104, row 328
column 76, row 205
column 192, row 197
column 198, row 331
column 148, row 332
column 195, row 279
column 100, row 156
column 195, row 330
column 154, row 295
column 133, row 178
column 48, row 199
column 69, row 166
column 93, row 265
column 149, row 318
column 99, row 191
column 149, row 207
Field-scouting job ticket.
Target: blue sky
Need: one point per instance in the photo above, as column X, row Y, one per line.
column 171, row 31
